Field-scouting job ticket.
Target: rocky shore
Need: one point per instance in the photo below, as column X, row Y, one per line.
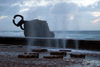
column 47, row 58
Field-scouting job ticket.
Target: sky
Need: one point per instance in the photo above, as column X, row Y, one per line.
column 61, row 15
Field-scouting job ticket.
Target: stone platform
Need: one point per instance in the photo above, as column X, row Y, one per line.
column 47, row 58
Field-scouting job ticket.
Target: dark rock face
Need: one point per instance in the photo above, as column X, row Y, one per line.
column 58, row 53
column 30, row 55
column 77, row 55
column 37, row 28
column 39, row 50
column 53, row 57
column 65, row 50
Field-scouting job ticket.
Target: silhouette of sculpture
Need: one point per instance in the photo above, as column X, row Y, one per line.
column 34, row 28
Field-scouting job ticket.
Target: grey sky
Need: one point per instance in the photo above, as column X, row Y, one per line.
column 60, row 14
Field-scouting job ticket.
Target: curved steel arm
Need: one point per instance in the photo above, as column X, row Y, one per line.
column 20, row 22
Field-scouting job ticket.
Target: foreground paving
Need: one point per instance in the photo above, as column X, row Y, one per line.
column 17, row 62
column 9, row 58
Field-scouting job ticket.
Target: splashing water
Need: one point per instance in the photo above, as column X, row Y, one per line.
column 48, row 42
column 57, row 43
column 29, row 45
column 64, row 43
column 76, row 44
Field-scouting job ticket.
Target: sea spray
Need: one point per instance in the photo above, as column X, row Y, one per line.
column 76, row 44
column 38, row 41
column 49, row 42
column 57, row 43
column 56, row 40
column 30, row 42
column 64, row 43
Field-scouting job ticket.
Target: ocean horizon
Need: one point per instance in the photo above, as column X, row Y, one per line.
column 95, row 35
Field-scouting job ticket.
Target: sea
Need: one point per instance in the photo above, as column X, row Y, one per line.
column 91, row 35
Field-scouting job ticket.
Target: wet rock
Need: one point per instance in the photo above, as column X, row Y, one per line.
column 77, row 55
column 58, row 53
column 21, row 56
column 65, row 50
column 93, row 54
column 30, row 55
column 53, row 57
column 39, row 50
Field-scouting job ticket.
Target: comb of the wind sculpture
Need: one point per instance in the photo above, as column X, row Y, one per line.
column 33, row 28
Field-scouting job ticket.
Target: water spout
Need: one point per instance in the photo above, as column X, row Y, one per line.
column 64, row 43
column 57, row 43
column 29, row 44
column 76, row 44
